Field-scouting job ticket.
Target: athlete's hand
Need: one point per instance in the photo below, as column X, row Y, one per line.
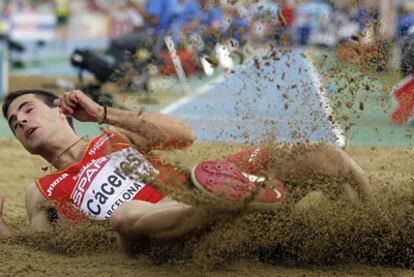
column 4, row 228
column 1, row 207
column 75, row 103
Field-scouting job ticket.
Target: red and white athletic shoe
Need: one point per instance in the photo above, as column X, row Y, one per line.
column 224, row 180
column 403, row 99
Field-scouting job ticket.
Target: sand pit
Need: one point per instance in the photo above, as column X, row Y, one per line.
column 330, row 238
column 325, row 239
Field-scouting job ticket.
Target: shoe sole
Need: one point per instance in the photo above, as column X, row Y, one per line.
column 251, row 205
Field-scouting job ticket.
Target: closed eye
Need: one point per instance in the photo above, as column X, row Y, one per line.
column 15, row 126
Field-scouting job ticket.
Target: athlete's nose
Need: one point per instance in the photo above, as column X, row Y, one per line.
column 21, row 120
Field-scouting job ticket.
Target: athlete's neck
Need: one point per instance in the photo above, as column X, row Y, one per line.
column 66, row 152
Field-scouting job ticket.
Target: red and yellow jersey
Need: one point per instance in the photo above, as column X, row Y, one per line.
column 110, row 173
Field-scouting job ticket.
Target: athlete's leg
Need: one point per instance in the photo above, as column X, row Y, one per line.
column 252, row 161
column 319, row 159
column 166, row 220
column 322, row 160
column 299, row 163
column 240, row 179
column 340, row 164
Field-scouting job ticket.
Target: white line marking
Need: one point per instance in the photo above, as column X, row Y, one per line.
column 203, row 89
column 188, row 98
column 336, row 129
column 177, row 64
column 4, row 71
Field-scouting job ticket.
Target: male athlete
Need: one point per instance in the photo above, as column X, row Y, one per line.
column 106, row 177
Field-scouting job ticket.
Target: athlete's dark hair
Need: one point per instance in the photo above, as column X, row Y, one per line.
column 45, row 96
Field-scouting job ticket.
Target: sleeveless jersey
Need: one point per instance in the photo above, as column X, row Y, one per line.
column 110, row 172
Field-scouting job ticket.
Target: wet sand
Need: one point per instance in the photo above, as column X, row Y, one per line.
column 325, row 240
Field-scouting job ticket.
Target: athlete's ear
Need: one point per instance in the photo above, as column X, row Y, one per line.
column 57, row 102
column 61, row 113
column 59, row 109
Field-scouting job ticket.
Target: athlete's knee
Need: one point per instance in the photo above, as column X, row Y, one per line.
column 117, row 220
column 123, row 220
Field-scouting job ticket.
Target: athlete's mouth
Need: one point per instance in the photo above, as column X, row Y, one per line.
column 30, row 131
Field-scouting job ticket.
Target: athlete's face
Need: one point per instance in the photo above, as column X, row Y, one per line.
column 33, row 122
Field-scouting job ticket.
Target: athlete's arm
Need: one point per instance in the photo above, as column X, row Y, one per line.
column 150, row 130
column 4, row 228
column 145, row 130
column 36, row 209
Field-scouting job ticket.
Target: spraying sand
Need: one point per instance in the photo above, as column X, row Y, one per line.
column 325, row 238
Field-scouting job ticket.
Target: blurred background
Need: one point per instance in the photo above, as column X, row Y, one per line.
column 356, row 55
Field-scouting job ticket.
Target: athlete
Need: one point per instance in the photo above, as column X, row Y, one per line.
column 158, row 16
column 107, row 177
column 62, row 10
